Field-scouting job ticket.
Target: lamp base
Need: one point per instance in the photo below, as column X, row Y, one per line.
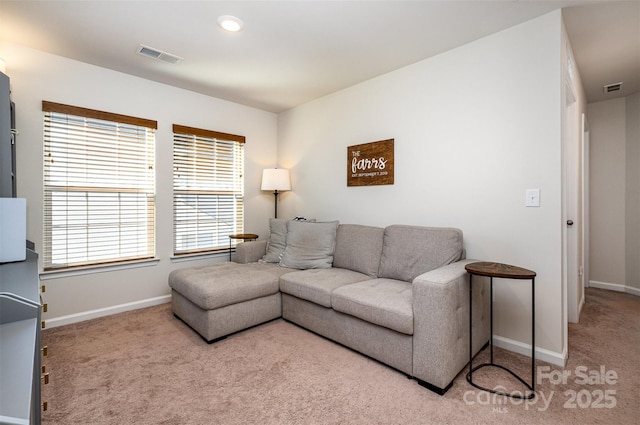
column 275, row 194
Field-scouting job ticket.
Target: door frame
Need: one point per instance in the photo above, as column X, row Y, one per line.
column 584, row 158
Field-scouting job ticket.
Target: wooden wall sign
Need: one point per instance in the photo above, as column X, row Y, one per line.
column 370, row 164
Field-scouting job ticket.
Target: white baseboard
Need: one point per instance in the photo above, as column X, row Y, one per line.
column 615, row 287
column 558, row 359
column 107, row 311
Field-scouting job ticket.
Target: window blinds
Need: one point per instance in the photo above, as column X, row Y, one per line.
column 99, row 187
column 208, row 189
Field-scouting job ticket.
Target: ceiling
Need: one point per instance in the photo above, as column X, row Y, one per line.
column 291, row 52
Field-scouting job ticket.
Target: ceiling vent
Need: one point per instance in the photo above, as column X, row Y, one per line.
column 156, row 54
column 610, row 88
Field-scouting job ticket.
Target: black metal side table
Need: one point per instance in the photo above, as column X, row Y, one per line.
column 499, row 270
column 244, row 236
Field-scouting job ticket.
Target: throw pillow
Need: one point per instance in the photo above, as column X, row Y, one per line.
column 309, row 245
column 277, row 240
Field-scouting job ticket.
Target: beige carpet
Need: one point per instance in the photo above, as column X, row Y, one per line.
column 146, row 367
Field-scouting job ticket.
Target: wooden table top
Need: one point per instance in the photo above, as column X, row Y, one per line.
column 499, row 270
column 244, row 236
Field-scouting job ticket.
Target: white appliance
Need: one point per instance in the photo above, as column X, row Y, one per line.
column 13, row 229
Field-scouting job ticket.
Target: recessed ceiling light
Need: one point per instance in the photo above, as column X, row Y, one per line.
column 230, row 23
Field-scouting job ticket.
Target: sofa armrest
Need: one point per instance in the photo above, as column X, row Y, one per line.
column 250, row 252
column 441, row 322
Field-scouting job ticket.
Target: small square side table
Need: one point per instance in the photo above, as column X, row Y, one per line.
column 507, row 271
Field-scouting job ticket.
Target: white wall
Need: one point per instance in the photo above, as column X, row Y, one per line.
column 37, row 76
column 607, row 191
column 615, row 194
column 474, row 128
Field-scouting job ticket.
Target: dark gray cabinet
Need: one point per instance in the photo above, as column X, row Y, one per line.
column 20, row 345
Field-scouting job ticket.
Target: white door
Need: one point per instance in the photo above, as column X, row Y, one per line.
column 572, row 217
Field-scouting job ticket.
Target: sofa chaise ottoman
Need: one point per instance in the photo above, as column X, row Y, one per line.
column 398, row 294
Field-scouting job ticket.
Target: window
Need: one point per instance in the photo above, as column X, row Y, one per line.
column 99, row 187
column 208, row 189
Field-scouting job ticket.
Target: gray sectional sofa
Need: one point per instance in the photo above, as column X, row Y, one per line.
column 398, row 294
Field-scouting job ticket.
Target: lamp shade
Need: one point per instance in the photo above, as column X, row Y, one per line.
column 275, row 179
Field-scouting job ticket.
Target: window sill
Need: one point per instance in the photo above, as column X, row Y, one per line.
column 201, row 256
column 57, row 274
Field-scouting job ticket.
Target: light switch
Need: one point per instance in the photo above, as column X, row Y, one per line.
column 533, row 198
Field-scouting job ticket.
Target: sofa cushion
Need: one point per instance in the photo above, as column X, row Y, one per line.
column 358, row 248
column 309, row 245
column 409, row 251
column 384, row 302
column 316, row 285
column 223, row 284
